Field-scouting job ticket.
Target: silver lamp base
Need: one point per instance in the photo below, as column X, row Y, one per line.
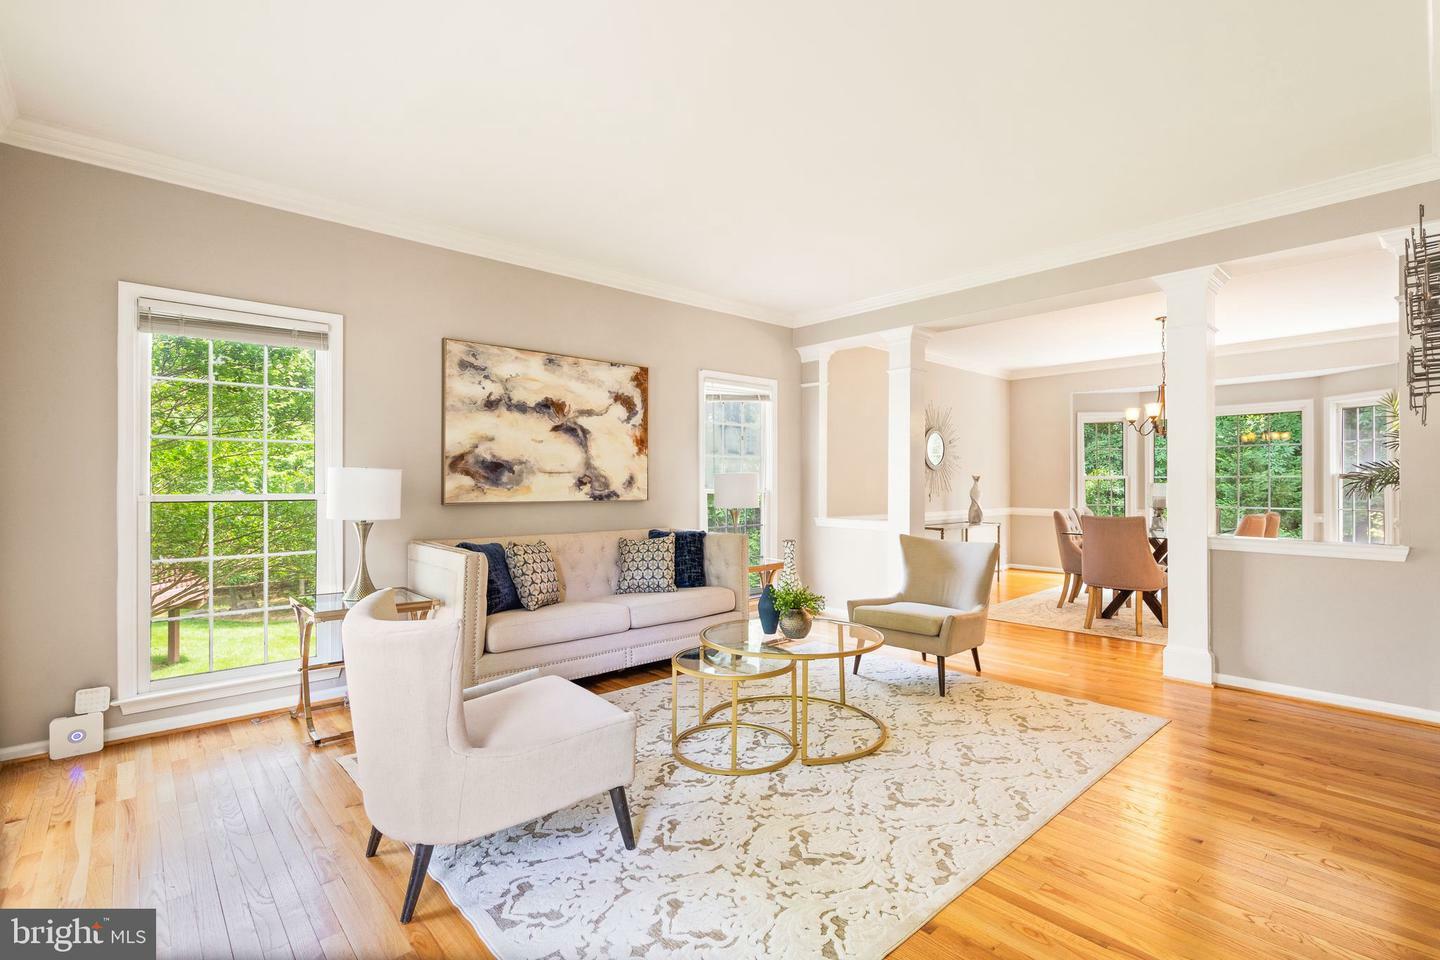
column 361, row 586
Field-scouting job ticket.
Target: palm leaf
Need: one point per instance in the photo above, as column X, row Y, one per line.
column 1372, row 478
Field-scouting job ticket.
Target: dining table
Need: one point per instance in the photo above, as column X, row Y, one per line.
column 1160, row 548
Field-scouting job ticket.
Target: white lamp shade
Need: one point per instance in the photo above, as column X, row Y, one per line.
column 1157, row 494
column 737, row 491
column 362, row 493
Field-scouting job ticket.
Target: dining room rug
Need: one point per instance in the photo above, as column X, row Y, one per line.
column 843, row 861
column 1039, row 610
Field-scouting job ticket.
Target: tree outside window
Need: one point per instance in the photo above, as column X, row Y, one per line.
column 1259, row 468
column 1103, row 467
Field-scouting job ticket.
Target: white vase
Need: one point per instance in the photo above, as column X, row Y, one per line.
column 976, row 514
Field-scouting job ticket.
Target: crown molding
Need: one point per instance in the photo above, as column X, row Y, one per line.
column 61, row 142
column 1351, row 186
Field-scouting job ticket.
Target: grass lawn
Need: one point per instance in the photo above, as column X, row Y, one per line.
column 239, row 642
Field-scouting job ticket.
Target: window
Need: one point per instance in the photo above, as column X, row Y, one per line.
column 1104, row 451
column 1260, row 467
column 737, row 429
column 1359, row 430
column 231, row 431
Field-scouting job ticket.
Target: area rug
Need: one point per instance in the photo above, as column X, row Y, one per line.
column 842, row 861
column 1039, row 610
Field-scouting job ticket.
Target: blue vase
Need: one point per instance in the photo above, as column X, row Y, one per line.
column 769, row 619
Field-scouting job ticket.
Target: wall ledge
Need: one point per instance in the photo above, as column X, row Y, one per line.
column 1393, row 553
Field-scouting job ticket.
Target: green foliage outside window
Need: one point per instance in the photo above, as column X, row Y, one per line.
column 229, row 419
column 1104, row 467
column 1259, row 468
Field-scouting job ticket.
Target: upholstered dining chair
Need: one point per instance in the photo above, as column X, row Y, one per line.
column 438, row 765
column 1069, row 546
column 942, row 607
column 1252, row 525
column 1272, row 525
column 1117, row 556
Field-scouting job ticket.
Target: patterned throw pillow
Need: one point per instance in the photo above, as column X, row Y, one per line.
column 689, row 556
column 500, row 593
column 647, row 566
column 532, row 567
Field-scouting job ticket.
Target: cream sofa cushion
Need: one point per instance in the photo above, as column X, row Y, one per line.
column 650, row 609
column 567, row 620
column 924, row 619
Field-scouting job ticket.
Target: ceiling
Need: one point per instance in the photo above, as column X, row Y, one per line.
column 792, row 162
column 1330, row 291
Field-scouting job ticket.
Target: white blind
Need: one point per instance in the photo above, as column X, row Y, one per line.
column 187, row 320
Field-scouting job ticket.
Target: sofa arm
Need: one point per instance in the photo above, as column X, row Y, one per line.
column 727, row 564
column 456, row 577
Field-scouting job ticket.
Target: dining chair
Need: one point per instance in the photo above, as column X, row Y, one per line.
column 943, row 606
column 1069, row 546
column 1117, row 556
column 1251, row 525
column 1272, row 525
column 438, row 765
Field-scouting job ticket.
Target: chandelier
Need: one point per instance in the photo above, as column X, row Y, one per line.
column 1153, row 420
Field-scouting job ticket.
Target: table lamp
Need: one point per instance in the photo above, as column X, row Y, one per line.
column 364, row 495
column 736, row 492
column 1157, row 507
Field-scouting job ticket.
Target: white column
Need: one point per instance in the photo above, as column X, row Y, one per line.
column 1190, row 486
column 906, row 429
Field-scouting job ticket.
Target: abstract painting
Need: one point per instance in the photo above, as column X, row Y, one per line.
column 521, row 425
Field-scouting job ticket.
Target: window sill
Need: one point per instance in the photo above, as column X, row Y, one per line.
column 1393, row 553
column 198, row 693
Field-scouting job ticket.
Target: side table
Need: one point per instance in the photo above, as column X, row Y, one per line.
column 325, row 608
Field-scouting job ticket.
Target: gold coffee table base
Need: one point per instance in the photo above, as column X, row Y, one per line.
column 804, row 734
column 693, row 663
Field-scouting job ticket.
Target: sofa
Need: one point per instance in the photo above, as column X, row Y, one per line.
column 592, row 629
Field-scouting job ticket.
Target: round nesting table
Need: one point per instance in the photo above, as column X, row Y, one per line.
column 829, row 639
column 708, row 666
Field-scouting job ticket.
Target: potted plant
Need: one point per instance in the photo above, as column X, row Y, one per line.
column 797, row 606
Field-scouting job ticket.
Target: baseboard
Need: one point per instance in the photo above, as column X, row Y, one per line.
column 1360, row 704
column 1189, row 664
column 1033, row 566
column 187, row 721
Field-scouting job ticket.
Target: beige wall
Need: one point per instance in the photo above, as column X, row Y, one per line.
column 858, row 432
column 979, row 408
column 69, row 232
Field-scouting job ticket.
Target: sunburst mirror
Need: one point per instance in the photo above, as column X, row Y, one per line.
column 940, row 440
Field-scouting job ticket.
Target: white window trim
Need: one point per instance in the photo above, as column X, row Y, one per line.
column 1335, row 453
column 1077, row 466
column 769, row 489
column 132, row 402
column 1307, row 452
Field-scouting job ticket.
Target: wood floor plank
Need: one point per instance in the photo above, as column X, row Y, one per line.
column 1251, row 826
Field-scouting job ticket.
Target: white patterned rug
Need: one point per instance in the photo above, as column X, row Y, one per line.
column 841, row 861
column 1039, row 610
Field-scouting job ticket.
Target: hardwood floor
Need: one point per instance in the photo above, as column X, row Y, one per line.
column 1251, row 826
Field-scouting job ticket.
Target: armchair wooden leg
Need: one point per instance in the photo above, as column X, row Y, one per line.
column 417, row 880
column 975, row 653
column 1094, row 602
column 925, row 657
column 940, row 666
column 374, row 843
column 1139, row 619
column 1064, row 592
column 622, row 816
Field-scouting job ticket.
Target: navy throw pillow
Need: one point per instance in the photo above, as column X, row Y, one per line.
column 689, row 556
column 500, row 592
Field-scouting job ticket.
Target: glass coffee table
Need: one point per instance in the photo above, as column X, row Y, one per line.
column 724, row 644
column 706, row 666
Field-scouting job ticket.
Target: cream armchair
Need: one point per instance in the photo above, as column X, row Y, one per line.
column 943, row 605
column 438, row 766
